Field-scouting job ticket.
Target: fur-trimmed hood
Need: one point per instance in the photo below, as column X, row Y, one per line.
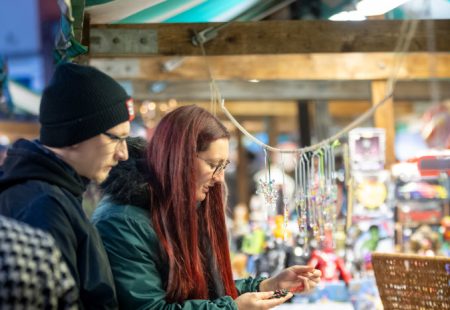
column 127, row 182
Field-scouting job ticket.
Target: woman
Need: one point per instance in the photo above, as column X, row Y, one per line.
column 164, row 229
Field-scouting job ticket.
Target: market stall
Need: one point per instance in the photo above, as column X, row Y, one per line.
column 331, row 198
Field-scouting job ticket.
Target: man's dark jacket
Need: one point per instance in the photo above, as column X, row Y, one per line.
column 38, row 188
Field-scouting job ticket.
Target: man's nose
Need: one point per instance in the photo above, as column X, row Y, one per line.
column 122, row 151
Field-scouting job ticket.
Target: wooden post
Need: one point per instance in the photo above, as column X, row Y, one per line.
column 272, row 130
column 384, row 117
column 322, row 120
column 242, row 172
column 303, row 123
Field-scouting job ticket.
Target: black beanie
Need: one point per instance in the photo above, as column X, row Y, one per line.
column 79, row 103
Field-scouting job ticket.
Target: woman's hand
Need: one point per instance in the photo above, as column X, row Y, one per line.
column 259, row 300
column 295, row 279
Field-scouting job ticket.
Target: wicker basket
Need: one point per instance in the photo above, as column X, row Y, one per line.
column 410, row 282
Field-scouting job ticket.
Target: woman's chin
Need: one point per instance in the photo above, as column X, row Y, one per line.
column 201, row 196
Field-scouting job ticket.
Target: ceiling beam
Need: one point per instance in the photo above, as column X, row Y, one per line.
column 252, row 109
column 282, row 90
column 16, row 130
column 344, row 66
column 263, row 37
column 352, row 109
column 244, row 90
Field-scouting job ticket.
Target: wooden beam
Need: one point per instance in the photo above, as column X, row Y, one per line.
column 253, row 114
column 15, row 130
column 284, row 124
column 384, row 118
column 348, row 109
column 281, row 90
column 254, row 109
column 352, row 109
column 421, row 90
column 344, row 66
column 243, row 90
column 403, row 108
column 263, row 37
column 343, row 109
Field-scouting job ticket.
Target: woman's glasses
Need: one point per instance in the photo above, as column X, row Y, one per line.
column 217, row 168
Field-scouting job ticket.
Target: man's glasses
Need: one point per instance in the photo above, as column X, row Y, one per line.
column 217, row 168
column 114, row 138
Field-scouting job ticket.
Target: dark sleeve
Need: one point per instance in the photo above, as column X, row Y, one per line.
column 132, row 247
column 81, row 249
column 47, row 214
column 59, row 277
column 248, row 285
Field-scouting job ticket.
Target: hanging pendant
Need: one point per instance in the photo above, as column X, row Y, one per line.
column 285, row 201
column 303, row 218
column 267, row 188
column 315, row 195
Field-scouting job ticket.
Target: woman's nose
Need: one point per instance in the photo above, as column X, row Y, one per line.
column 219, row 176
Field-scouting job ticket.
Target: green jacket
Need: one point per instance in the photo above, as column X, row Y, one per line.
column 139, row 271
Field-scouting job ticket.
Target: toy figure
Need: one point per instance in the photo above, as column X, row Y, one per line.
column 445, row 228
column 331, row 265
column 279, row 232
column 253, row 246
column 424, row 241
column 371, row 244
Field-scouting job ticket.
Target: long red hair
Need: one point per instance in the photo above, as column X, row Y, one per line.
column 176, row 219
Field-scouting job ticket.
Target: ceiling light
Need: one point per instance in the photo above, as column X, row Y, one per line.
column 348, row 15
column 377, row 7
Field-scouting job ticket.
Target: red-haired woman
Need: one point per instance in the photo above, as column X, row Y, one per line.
column 164, row 229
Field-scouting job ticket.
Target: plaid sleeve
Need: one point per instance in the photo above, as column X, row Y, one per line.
column 33, row 274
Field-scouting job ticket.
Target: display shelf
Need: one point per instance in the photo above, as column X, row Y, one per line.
column 421, row 203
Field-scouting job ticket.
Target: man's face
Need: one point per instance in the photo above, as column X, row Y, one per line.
column 99, row 154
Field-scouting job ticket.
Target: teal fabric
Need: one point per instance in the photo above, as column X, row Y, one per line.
column 140, row 273
column 207, row 11
column 154, row 12
column 97, row 2
column 67, row 46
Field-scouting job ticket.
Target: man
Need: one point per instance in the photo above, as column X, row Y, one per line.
column 85, row 117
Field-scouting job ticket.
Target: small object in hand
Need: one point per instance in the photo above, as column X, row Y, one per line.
column 279, row 293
